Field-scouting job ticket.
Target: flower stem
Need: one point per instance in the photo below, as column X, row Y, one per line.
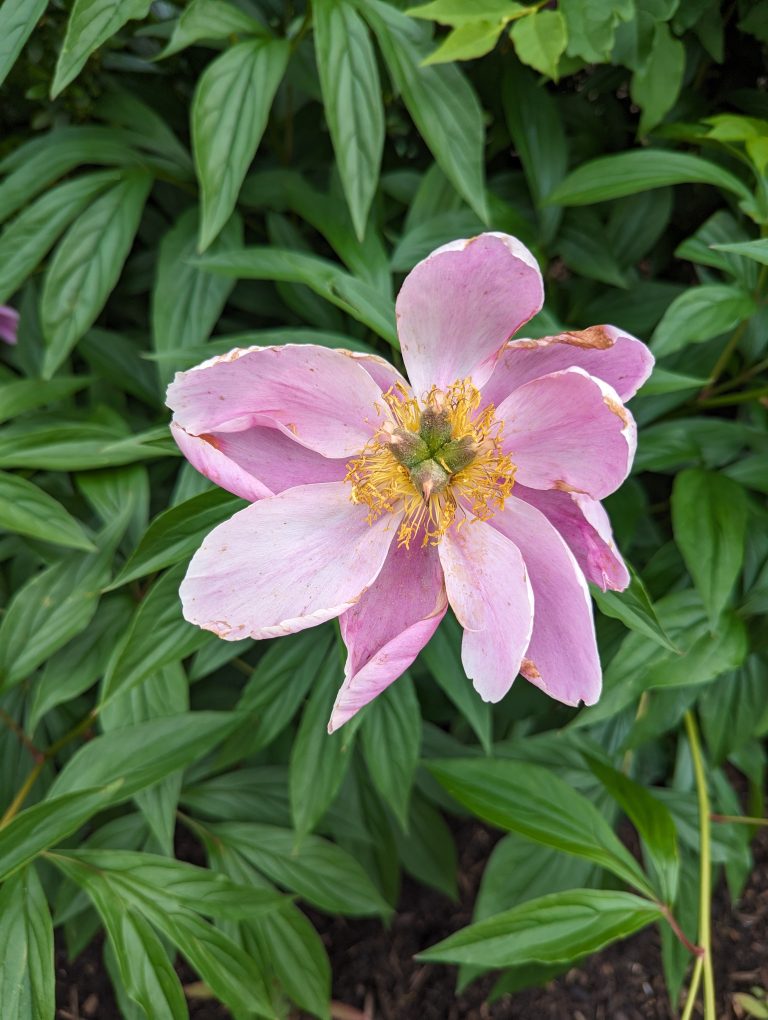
column 690, row 1001
column 705, row 882
column 739, row 819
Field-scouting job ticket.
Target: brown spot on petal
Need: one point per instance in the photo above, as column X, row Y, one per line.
column 292, row 427
column 618, row 409
column 564, row 486
column 596, row 337
column 529, row 670
column 211, row 440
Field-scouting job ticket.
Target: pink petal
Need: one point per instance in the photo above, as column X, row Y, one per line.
column 585, row 526
column 383, row 372
column 459, row 305
column 489, row 590
column 285, row 563
column 388, row 627
column 569, row 431
column 9, row 324
column 321, row 398
column 562, row 656
column 606, row 352
column 257, row 462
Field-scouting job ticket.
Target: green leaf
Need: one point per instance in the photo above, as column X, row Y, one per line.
column 535, row 802
column 466, row 42
column 441, row 102
column 391, row 733
column 634, row 608
column 656, row 85
column 143, row 754
column 652, row 820
column 87, row 264
column 320, row 872
column 66, row 445
column 662, row 380
column 49, row 610
column 354, row 296
column 735, row 709
column 757, row 250
column 700, row 314
column 540, row 40
column 205, row 20
column 187, row 302
column 630, row 172
column 709, row 519
column 177, row 532
column 459, row 12
column 27, row 239
column 22, row 395
column 319, row 760
column 351, row 90
column 591, row 26
column 229, row 113
column 427, row 850
column 91, row 23
column 17, row 21
column 551, row 929
column 27, row 510
column 443, row 658
column 27, row 978
column 46, row 824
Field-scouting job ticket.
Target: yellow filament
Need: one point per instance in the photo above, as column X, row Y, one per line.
column 478, row 491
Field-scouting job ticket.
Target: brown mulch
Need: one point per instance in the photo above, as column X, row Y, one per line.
column 376, row 977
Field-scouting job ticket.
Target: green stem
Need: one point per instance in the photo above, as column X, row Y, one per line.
column 705, row 882
column 734, row 398
column 739, row 819
column 693, row 990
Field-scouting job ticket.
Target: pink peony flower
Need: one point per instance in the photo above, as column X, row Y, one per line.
column 382, row 502
column 9, row 324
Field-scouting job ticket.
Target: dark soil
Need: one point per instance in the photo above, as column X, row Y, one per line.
column 376, row 977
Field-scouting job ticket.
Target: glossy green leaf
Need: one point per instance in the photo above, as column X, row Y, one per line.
column 349, row 79
column 459, row 12
column 206, row 20
column 627, row 173
column 536, row 803
column 540, row 40
column 17, row 21
column 90, row 24
column 656, row 85
column 21, row 395
column 709, row 518
column 439, row 99
column 187, row 302
column 700, row 314
column 391, row 734
column 26, row 509
column 229, row 113
column 634, row 608
column 65, row 445
column 466, row 42
column 87, row 265
column 27, row 978
column 757, row 250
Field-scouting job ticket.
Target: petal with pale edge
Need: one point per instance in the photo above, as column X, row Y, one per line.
column 489, row 590
column 321, row 398
column 608, row 353
column 562, row 656
column 383, row 372
column 285, row 563
column 388, row 627
column 459, row 305
column 569, row 431
column 257, row 462
column 585, row 526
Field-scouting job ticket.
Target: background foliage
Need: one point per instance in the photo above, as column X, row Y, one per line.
column 179, row 179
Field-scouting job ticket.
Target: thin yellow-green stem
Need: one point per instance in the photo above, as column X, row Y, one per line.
column 13, row 808
column 693, row 989
column 705, row 881
column 739, row 819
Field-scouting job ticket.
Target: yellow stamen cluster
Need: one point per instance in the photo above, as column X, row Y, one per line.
column 477, row 491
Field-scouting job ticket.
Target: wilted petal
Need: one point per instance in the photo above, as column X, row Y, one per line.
column 489, row 590
column 459, row 305
column 257, row 462
column 321, row 398
column 285, row 563
column 611, row 354
column 388, row 627
column 9, row 324
column 585, row 526
column 569, row 431
column 562, row 656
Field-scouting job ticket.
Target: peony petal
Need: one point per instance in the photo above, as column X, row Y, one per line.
column 459, row 305
column 569, row 431
column 388, row 627
column 321, row 398
column 489, row 590
column 257, row 462
column 9, row 324
column 562, row 656
column 606, row 352
column 585, row 526
column 285, row 563
column 383, row 372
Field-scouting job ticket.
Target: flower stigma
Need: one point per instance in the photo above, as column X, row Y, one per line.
column 432, row 460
